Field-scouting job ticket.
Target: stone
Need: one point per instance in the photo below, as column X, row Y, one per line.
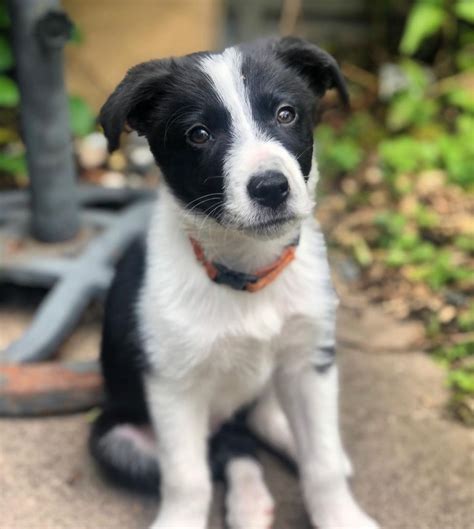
column 92, row 150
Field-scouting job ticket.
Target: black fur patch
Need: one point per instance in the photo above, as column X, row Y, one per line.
column 231, row 441
column 162, row 100
column 122, row 357
column 193, row 172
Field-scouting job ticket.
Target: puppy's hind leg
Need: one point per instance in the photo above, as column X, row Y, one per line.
column 268, row 422
column 310, row 399
column 249, row 503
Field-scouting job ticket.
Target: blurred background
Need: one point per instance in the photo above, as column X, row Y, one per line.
column 396, row 190
column 400, row 165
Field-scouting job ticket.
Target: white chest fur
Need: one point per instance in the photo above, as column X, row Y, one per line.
column 225, row 341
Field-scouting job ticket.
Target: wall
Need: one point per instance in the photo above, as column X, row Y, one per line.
column 121, row 33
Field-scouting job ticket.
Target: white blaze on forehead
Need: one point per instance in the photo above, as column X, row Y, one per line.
column 252, row 151
column 225, row 72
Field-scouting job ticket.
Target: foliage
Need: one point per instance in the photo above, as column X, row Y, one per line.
column 426, row 18
column 6, row 56
column 9, row 96
column 338, row 154
column 462, row 379
column 408, row 179
column 12, row 155
column 81, row 116
column 431, row 17
column 426, row 135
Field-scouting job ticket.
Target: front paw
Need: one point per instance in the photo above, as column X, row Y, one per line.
column 338, row 510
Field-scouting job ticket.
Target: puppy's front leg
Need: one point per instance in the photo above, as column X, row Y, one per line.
column 310, row 399
column 180, row 420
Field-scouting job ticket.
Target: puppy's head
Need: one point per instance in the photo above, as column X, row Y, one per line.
column 232, row 132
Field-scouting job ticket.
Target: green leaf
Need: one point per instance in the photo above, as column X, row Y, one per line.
column 397, row 257
column 465, row 243
column 4, row 18
column 405, row 154
column 455, row 352
column 14, row 164
column 465, row 58
column 462, row 380
column 425, row 217
column 77, row 37
column 7, row 135
column 462, row 98
column 424, row 253
column 346, row 154
column 394, row 223
column 6, row 57
column 457, row 153
column 409, row 241
column 9, row 95
column 403, row 111
column 409, row 109
column 362, row 252
column 464, row 9
column 82, row 117
column 424, row 20
column 418, row 76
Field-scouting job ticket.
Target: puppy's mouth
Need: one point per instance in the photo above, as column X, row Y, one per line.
column 268, row 228
column 271, row 227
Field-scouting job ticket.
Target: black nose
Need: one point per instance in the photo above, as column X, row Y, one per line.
column 269, row 189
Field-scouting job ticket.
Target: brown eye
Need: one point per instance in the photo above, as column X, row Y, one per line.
column 198, row 135
column 286, row 115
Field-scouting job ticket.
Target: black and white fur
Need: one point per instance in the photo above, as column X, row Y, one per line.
column 181, row 354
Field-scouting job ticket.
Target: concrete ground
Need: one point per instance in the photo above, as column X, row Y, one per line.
column 414, row 466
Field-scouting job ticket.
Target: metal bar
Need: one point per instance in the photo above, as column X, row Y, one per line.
column 90, row 195
column 54, row 320
column 12, row 199
column 108, row 247
column 86, row 277
column 86, row 194
column 40, row 30
column 49, row 387
column 37, row 272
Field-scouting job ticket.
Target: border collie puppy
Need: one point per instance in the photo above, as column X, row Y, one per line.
column 222, row 321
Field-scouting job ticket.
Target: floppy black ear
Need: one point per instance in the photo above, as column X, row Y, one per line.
column 130, row 102
column 317, row 66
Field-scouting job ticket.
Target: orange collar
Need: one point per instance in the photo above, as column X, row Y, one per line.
column 239, row 280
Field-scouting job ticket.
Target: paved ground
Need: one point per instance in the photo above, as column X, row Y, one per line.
column 414, row 467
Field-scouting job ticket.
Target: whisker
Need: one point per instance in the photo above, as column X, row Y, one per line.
column 304, row 150
column 203, row 197
column 212, row 178
column 189, row 214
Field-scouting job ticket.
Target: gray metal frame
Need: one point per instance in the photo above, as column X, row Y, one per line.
column 74, row 282
column 40, row 30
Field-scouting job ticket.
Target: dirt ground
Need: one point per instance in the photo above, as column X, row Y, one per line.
column 414, row 466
